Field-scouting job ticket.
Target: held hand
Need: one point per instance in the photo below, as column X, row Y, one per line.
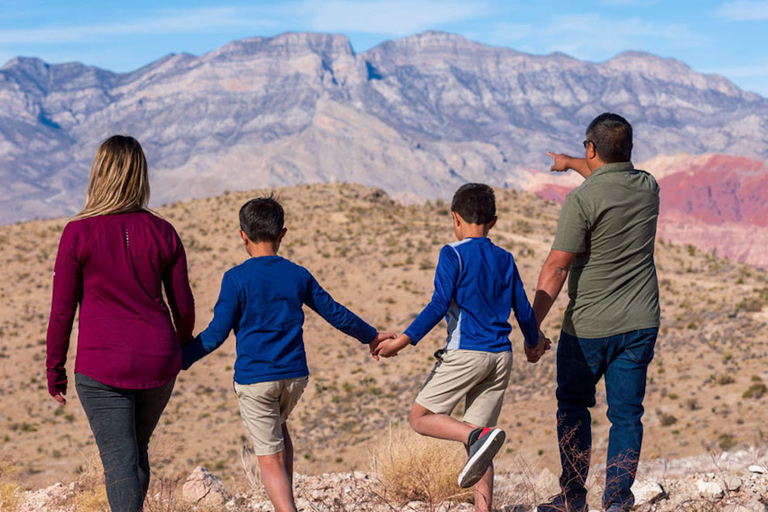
column 390, row 348
column 374, row 345
column 561, row 162
column 547, row 341
column 534, row 354
column 60, row 398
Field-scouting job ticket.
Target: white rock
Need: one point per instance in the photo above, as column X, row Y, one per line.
column 710, row 489
column 647, row 492
column 760, row 470
column 733, row 483
column 203, row 488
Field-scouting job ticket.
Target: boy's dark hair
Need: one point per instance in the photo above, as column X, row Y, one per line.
column 475, row 203
column 262, row 219
column 611, row 135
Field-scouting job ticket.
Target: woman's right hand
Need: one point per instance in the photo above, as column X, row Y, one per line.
column 60, row 398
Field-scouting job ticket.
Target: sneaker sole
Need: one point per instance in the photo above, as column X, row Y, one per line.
column 475, row 467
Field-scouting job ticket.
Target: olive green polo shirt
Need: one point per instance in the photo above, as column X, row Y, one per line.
column 609, row 222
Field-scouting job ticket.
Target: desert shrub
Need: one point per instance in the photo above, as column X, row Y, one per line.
column 666, row 419
column 756, row 390
column 412, row 467
column 726, row 441
column 692, row 404
column 751, row 305
column 724, row 379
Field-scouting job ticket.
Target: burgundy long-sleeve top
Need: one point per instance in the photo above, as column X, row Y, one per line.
column 115, row 268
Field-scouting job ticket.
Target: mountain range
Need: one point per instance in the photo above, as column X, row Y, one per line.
column 416, row 116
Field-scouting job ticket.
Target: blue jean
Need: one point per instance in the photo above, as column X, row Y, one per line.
column 122, row 421
column 581, row 363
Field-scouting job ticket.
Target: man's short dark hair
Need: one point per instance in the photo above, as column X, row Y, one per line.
column 611, row 135
column 475, row 203
column 262, row 219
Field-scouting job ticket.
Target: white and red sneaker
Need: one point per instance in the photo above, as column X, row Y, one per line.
column 484, row 444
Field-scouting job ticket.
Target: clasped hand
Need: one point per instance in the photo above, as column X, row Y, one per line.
column 535, row 353
column 388, row 344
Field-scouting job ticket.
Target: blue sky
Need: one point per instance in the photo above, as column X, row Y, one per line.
column 728, row 37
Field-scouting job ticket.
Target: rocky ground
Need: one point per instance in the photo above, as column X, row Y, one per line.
column 734, row 482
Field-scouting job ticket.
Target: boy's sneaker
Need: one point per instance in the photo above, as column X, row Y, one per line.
column 558, row 503
column 484, row 444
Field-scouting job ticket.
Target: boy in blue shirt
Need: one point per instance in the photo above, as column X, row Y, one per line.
column 477, row 286
column 261, row 300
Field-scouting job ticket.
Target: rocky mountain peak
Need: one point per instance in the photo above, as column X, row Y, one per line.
column 432, row 48
column 45, row 78
column 287, row 45
column 26, row 71
column 669, row 70
column 32, row 64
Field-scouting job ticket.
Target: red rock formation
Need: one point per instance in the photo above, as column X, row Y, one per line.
column 718, row 203
column 718, row 189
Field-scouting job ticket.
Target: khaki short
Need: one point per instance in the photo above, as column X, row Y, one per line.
column 264, row 407
column 481, row 377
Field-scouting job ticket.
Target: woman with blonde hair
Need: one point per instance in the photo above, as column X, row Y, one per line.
column 114, row 259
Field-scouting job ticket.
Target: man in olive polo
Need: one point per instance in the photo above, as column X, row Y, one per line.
column 605, row 241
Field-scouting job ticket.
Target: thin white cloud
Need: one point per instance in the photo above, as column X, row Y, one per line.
column 395, row 17
column 161, row 22
column 641, row 3
column 743, row 10
column 380, row 17
column 592, row 36
column 755, row 71
column 505, row 34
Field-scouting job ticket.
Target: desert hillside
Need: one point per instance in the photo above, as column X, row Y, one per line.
column 706, row 388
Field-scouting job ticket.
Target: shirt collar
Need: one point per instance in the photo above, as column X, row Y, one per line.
column 614, row 167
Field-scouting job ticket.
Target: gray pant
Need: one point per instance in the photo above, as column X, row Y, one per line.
column 122, row 421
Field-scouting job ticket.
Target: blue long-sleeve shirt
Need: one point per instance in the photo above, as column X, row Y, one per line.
column 477, row 286
column 261, row 300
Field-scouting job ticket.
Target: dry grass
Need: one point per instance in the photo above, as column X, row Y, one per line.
column 9, row 487
column 165, row 496
column 417, row 468
column 252, row 472
column 91, row 500
column 90, row 474
column 164, row 493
